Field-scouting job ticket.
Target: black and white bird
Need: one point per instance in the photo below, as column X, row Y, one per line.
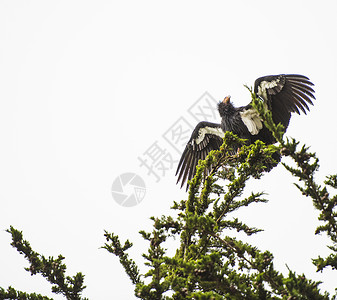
column 282, row 94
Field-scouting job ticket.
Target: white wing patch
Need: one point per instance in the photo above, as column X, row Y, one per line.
column 264, row 85
column 252, row 120
column 209, row 130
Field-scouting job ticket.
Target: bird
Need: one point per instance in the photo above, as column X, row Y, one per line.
column 282, row 94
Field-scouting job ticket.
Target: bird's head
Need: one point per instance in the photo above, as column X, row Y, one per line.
column 225, row 106
column 226, row 100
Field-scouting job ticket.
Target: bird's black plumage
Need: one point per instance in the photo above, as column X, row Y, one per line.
column 205, row 137
column 282, row 94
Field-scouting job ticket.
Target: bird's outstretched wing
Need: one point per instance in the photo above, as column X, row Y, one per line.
column 205, row 137
column 285, row 94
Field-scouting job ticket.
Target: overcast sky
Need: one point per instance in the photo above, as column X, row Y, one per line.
column 92, row 90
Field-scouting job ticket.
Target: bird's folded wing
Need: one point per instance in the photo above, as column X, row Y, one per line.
column 205, row 137
column 285, row 94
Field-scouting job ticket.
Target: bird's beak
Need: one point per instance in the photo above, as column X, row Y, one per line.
column 226, row 100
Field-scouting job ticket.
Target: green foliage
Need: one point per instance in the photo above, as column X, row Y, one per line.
column 11, row 293
column 306, row 166
column 116, row 248
column 210, row 262
column 52, row 269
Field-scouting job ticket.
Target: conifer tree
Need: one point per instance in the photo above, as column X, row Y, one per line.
column 210, row 263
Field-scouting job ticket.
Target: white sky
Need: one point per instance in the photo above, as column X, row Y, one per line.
column 86, row 87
